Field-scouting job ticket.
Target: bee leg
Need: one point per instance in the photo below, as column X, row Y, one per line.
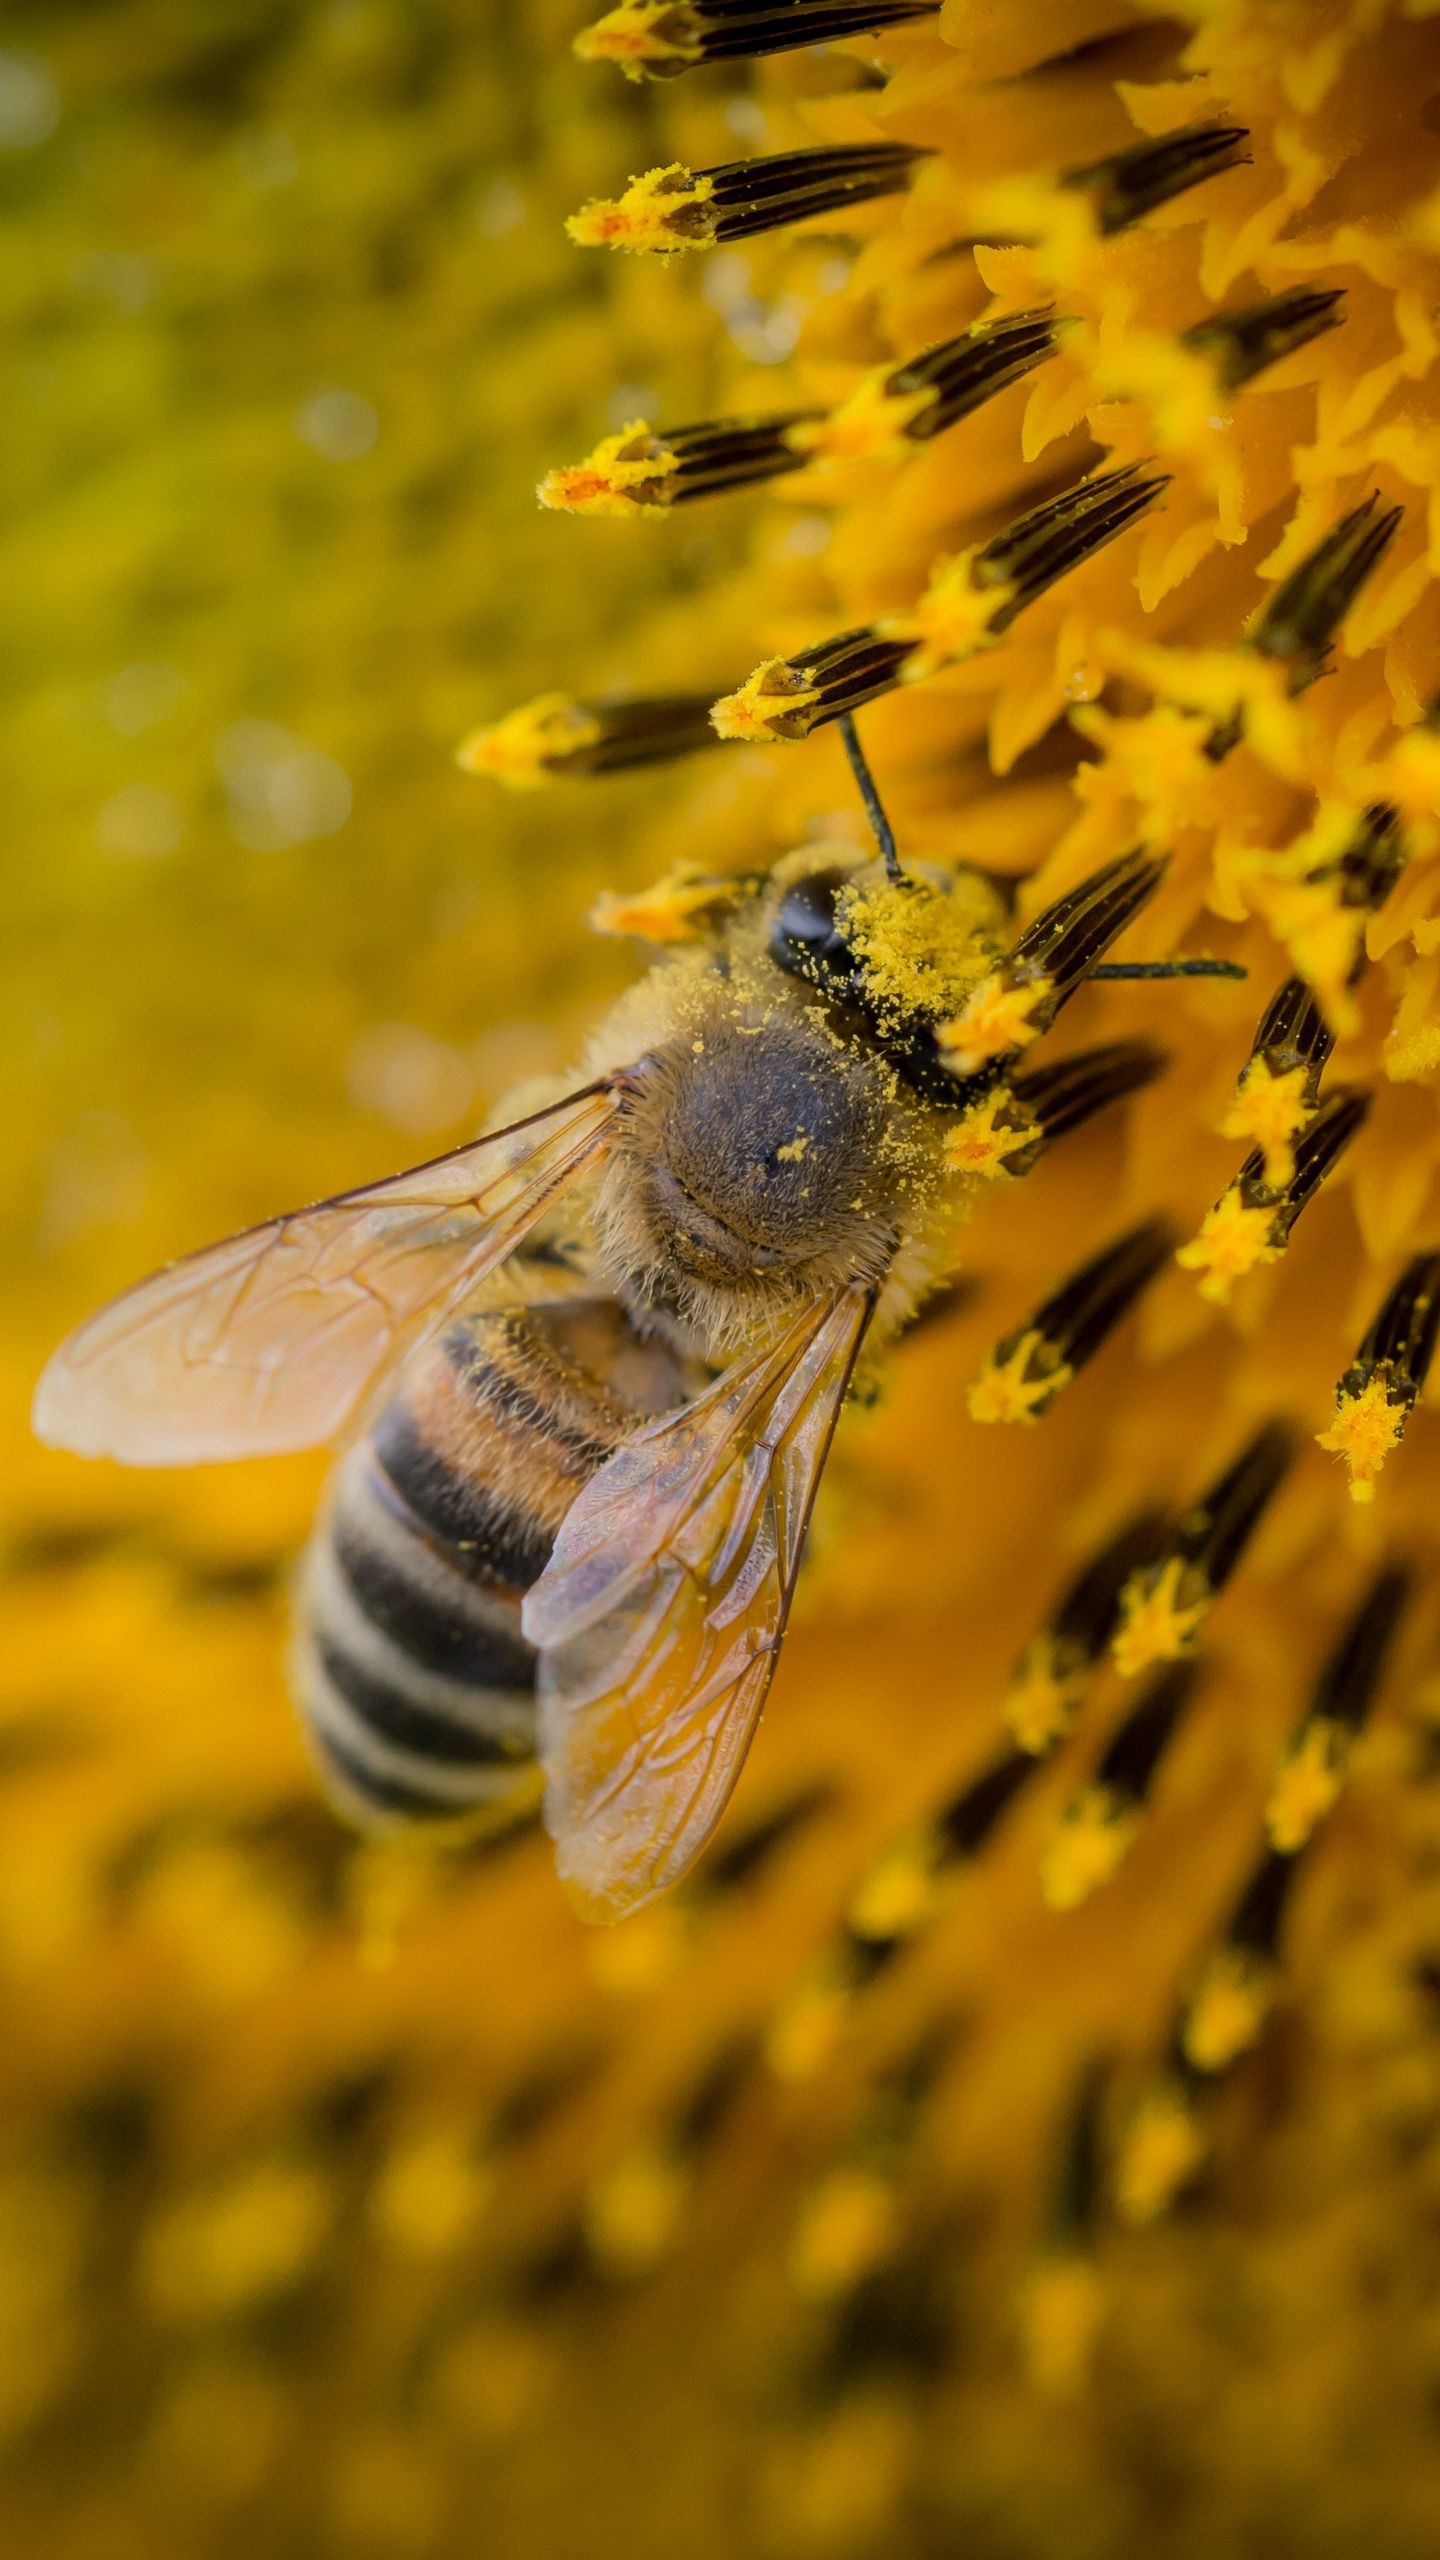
column 883, row 832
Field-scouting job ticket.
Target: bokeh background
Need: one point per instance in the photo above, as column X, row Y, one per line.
column 361, row 2205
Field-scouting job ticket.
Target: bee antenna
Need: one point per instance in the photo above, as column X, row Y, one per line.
column 883, row 832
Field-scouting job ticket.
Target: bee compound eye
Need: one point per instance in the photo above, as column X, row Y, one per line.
column 805, row 937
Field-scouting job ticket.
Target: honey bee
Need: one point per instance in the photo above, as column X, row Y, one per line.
column 584, row 1372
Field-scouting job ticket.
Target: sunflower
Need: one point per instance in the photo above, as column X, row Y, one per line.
column 1020, row 2133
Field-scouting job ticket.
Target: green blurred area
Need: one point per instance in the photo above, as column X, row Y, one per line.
column 295, row 326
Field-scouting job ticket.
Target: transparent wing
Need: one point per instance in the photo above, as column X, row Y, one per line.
column 660, row 1613
column 274, row 1339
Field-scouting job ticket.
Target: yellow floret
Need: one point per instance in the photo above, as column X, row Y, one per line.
column 998, row 1017
column 770, row 704
column 625, row 475
column 848, row 2227
column 1228, row 2011
column 1090, row 1841
column 520, row 749
column 1233, row 1240
column 644, row 38
column 1162, row 2148
column 1021, row 1386
column 951, row 621
column 989, row 1135
column 1270, row 1108
column 1043, row 1698
column 679, row 908
column 899, row 1894
column 1307, row 1782
column 870, row 424
column 1060, row 2315
column 1159, row 1621
column 665, row 210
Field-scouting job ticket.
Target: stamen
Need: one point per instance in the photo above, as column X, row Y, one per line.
column 905, row 404
column 677, row 208
column 1279, row 1085
column 1164, row 1604
column 641, row 471
column 970, row 603
column 1099, row 1826
column 1056, row 1669
column 1064, row 1096
column 1015, row 1003
column 1238, row 1986
column 1319, row 1753
column 1025, row 1372
column 1006, row 1130
column 1031, row 554
column 785, row 698
column 557, row 735
column 1380, row 1390
column 657, row 39
column 1130, row 184
column 849, row 2228
column 1246, row 342
column 904, row 1890
column 1062, row 2304
column 1252, row 1221
column 1299, row 624
column 1371, row 863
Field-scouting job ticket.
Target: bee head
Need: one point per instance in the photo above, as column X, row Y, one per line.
column 890, row 959
column 750, row 1161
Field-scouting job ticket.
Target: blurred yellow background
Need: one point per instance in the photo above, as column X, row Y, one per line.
column 342, row 2197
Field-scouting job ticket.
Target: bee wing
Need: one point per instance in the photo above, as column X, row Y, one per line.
column 272, row 1340
column 660, row 1613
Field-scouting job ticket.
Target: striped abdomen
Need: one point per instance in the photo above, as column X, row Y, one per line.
column 415, row 1683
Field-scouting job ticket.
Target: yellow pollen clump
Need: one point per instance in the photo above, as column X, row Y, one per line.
column 517, row 750
column 1321, row 935
column 951, row 621
column 1021, row 1386
column 1410, row 776
column 1307, row 1782
column 1158, row 1622
column 765, row 703
column 1153, row 763
column 848, row 2228
column 997, row 1018
column 679, row 908
column 1366, row 1428
column 1161, row 2150
column 625, row 475
column 869, row 424
column 1236, row 1995
column 1045, row 1694
column 1233, row 1240
column 923, row 948
column 1089, row 1842
column 989, row 1134
column 665, row 210
column 1270, row 1108
column 638, row 34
